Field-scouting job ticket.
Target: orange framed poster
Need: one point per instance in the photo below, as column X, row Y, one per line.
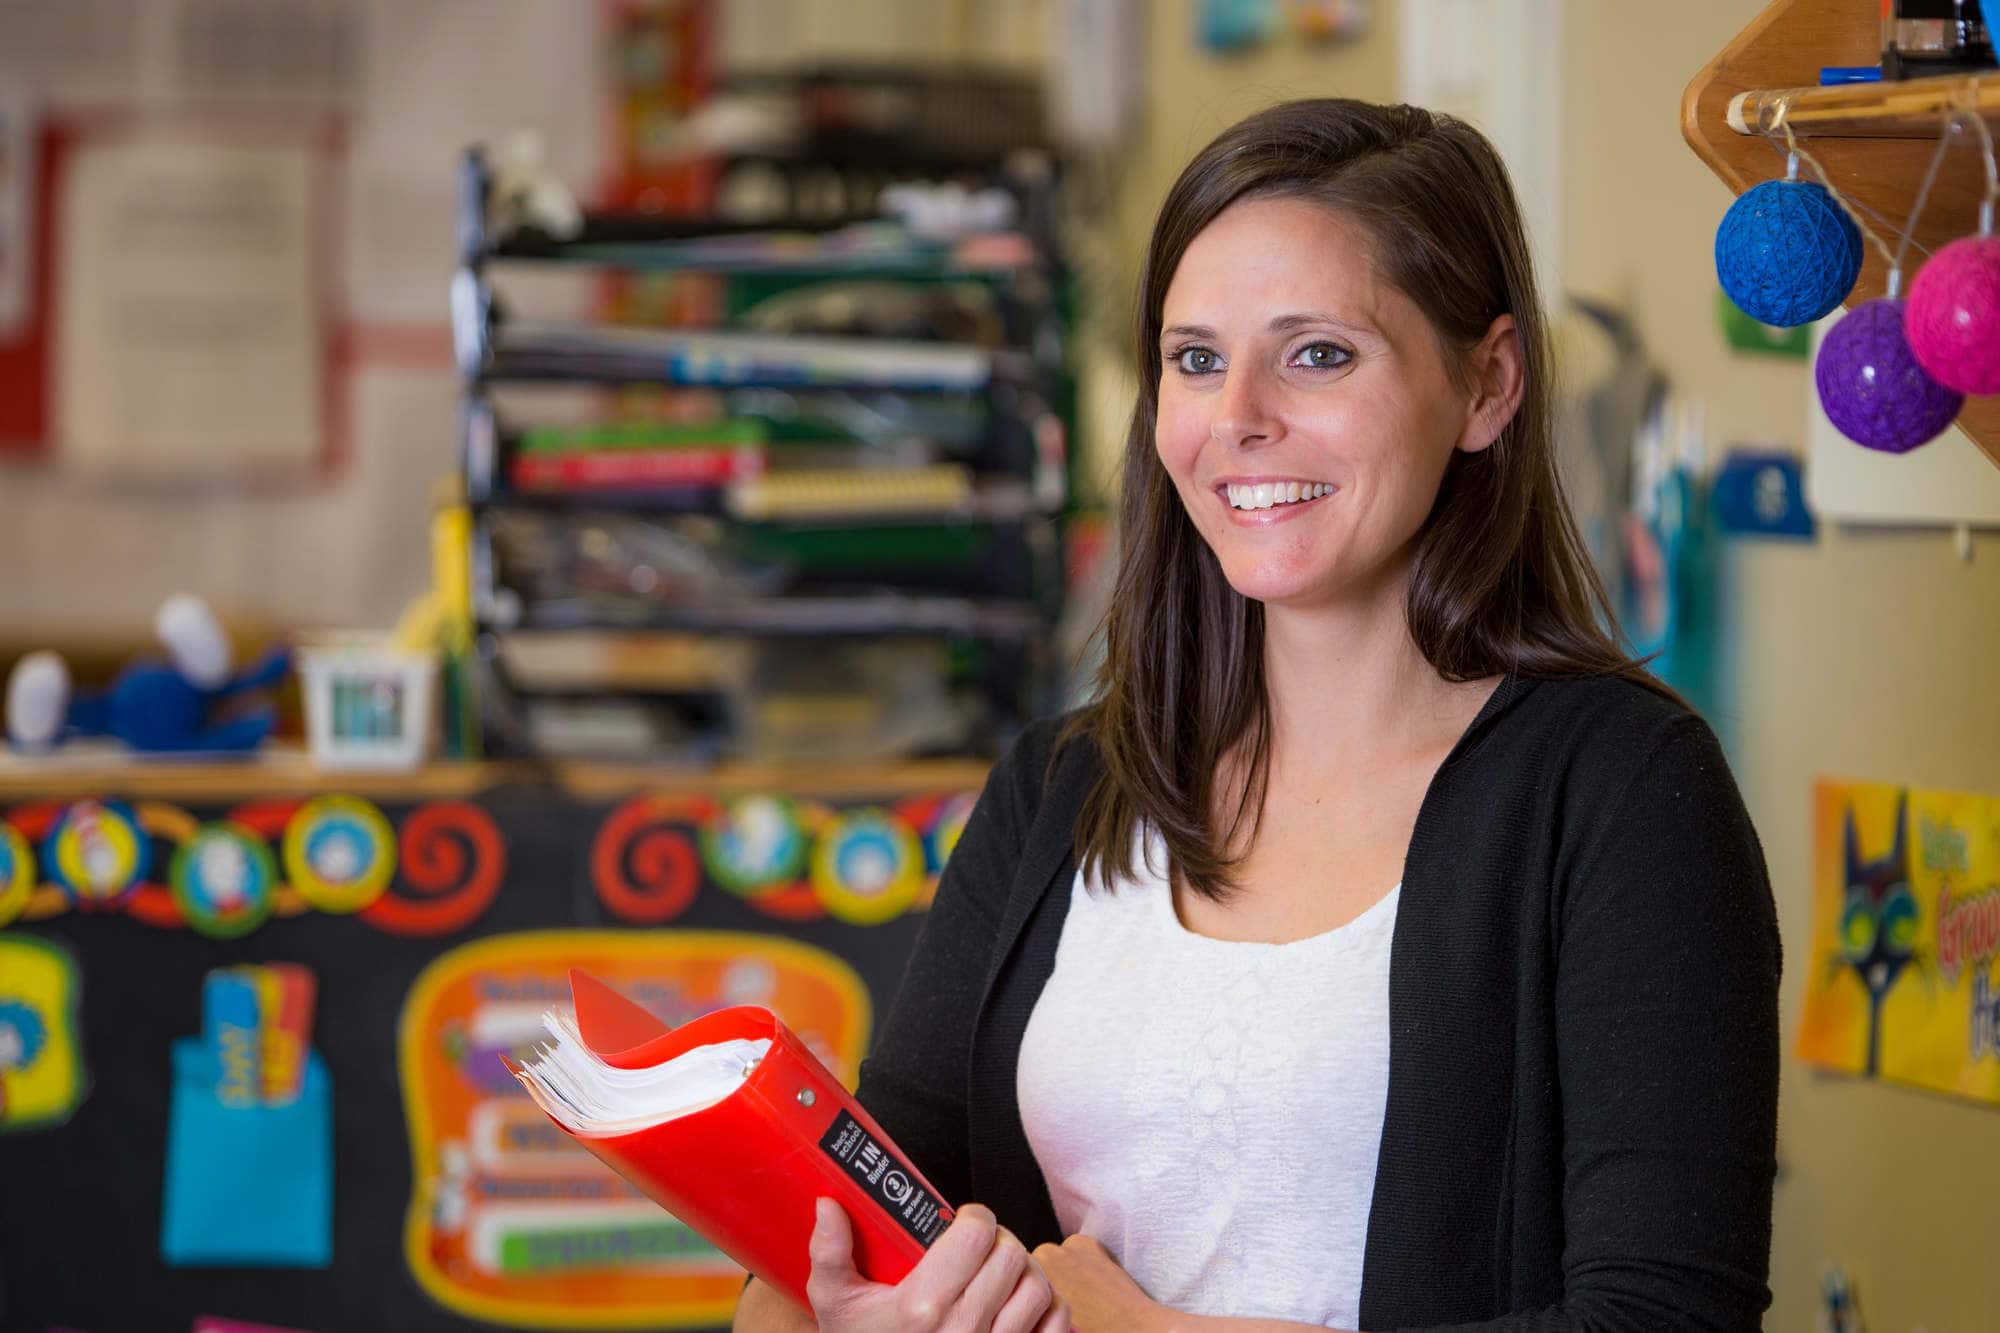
column 509, row 1220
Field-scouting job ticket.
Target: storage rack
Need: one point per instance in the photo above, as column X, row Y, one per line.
column 996, row 607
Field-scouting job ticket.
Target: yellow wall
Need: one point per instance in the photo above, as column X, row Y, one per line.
column 1865, row 654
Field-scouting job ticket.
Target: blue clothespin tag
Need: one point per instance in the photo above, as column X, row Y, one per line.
column 1762, row 495
column 230, row 1033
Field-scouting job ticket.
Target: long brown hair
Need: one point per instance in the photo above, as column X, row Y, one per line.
column 1501, row 582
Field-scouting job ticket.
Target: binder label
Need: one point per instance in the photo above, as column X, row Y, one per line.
column 887, row 1178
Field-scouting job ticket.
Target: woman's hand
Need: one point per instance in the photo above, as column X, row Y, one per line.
column 977, row 1278
column 1099, row 1294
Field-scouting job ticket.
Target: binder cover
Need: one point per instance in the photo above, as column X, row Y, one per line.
column 744, row 1171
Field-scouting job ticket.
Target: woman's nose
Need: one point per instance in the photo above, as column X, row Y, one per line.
column 1242, row 417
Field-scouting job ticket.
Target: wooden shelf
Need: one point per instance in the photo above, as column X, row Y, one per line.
column 1871, row 138
column 1909, row 110
column 279, row 771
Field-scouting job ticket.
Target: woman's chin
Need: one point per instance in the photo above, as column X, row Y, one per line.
column 1276, row 588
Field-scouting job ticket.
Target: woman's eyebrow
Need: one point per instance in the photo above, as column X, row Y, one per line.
column 1282, row 324
column 1310, row 318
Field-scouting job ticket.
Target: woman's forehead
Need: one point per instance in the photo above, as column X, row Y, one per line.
column 1269, row 261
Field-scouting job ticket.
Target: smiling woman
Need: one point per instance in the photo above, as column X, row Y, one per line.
column 1336, row 293
column 1263, row 404
column 1382, row 947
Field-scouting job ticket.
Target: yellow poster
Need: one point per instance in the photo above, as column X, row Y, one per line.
column 1900, row 983
column 510, row 1220
column 41, row 1060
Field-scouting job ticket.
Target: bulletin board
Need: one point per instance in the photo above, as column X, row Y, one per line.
column 437, row 930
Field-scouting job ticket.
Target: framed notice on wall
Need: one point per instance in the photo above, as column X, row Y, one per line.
column 192, row 331
column 26, row 162
column 19, row 133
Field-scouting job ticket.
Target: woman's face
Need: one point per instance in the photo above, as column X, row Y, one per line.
column 1306, row 415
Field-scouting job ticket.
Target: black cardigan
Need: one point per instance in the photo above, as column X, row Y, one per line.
column 1580, row 1130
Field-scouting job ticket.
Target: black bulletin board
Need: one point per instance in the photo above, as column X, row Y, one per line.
column 80, row 1202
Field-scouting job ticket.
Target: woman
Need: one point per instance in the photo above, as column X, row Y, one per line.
column 1384, row 948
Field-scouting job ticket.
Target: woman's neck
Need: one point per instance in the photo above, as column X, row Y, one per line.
column 1349, row 687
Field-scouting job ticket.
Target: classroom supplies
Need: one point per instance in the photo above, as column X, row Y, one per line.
column 370, row 704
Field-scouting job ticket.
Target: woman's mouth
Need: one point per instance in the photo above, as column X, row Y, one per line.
column 1273, row 494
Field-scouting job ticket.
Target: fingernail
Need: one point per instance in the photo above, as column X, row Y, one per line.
column 821, row 1216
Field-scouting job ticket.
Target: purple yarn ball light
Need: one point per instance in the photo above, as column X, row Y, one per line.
column 1872, row 387
column 1954, row 315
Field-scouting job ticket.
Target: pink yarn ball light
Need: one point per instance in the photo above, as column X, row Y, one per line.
column 1954, row 315
column 1873, row 390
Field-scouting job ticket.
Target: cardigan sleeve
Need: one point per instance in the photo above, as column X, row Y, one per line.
column 915, row 1079
column 1666, row 1009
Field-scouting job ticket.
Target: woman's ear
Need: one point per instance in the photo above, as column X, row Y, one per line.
column 1499, row 377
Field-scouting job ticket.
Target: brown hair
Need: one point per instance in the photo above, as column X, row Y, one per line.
column 1501, row 582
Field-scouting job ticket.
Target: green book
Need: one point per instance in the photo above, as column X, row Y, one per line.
column 734, row 431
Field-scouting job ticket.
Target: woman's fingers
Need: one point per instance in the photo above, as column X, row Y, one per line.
column 1031, row 1306
column 977, row 1276
column 992, row 1287
column 1057, row 1319
column 832, row 1280
column 934, row 1286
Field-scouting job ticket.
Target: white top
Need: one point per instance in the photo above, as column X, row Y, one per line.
column 1211, row 1110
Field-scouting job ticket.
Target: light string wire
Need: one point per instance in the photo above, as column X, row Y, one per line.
column 1962, row 108
column 1795, row 151
column 1965, row 107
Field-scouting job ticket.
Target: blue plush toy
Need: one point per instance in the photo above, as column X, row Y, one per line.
column 191, row 703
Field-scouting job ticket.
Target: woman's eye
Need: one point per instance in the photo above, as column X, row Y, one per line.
column 1323, row 356
column 1196, row 361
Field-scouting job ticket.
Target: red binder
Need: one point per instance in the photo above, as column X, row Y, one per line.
column 745, row 1171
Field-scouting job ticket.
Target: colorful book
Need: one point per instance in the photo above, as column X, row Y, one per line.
column 847, row 492
column 732, row 1125
column 634, row 469
column 726, row 433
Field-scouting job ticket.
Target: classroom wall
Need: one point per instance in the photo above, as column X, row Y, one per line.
column 1865, row 654
column 86, row 559
column 90, row 562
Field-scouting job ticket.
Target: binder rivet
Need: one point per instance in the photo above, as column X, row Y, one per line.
column 806, row 1097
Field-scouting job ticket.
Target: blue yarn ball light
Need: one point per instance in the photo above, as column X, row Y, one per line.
column 1787, row 252
column 1873, row 388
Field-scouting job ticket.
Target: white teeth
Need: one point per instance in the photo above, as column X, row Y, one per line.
column 1264, row 495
